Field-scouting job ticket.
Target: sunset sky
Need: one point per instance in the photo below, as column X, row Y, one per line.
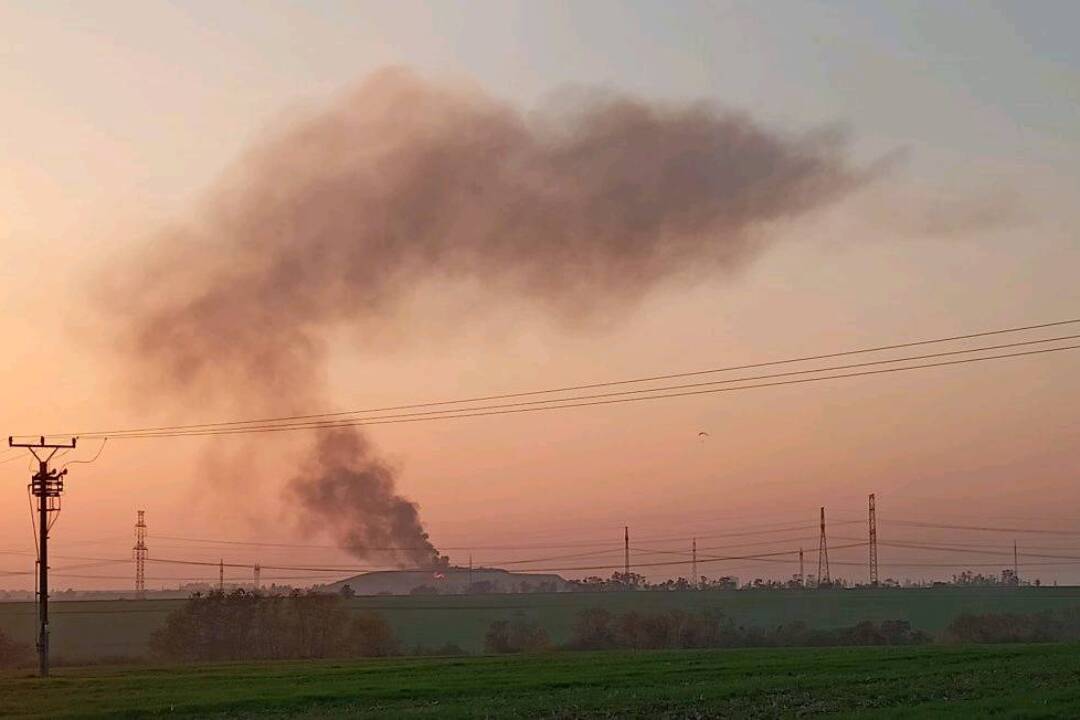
column 119, row 119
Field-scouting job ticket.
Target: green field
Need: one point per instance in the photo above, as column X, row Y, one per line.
column 1010, row 681
column 93, row 630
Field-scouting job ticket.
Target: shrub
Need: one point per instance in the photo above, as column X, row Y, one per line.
column 449, row 649
column 497, row 638
column 518, row 635
column 371, row 636
column 12, row 653
column 900, row 632
column 593, row 630
column 243, row 625
column 480, row 587
column 1046, row 626
column 598, row 629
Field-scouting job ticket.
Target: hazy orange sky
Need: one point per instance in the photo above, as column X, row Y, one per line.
column 118, row 119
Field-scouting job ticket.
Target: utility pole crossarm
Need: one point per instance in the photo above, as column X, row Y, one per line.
column 42, row 444
column 33, row 447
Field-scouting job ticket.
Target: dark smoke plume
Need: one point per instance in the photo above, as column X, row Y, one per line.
column 338, row 218
column 350, row 492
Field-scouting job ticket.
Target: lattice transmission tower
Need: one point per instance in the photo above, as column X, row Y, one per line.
column 141, row 553
column 873, row 542
column 823, row 577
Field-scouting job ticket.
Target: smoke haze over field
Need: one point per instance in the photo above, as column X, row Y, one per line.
column 336, row 219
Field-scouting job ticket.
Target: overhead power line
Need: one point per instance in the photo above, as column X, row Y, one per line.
column 782, row 556
column 758, row 543
column 600, row 549
column 589, row 386
column 983, row 528
column 772, row 556
column 1002, row 548
column 627, row 396
column 761, row 529
column 397, row 548
column 208, row 579
column 1008, row 552
column 594, row 548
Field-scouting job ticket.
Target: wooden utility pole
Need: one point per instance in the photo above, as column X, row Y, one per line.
column 47, row 486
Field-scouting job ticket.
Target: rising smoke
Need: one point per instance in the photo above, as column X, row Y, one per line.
column 362, row 510
column 338, row 218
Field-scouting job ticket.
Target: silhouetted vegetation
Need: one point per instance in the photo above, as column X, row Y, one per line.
column 1047, row 626
column 968, row 578
column 12, row 653
column 244, row 625
column 633, row 581
column 481, row 587
column 517, row 635
column 599, row 629
column 449, row 649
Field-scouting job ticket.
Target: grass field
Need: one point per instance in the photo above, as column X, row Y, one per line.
column 1006, row 681
column 92, row 630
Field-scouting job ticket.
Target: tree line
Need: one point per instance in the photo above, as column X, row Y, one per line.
column 601, row 629
column 622, row 581
column 245, row 625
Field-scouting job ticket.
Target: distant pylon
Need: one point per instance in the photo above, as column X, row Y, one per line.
column 626, row 554
column 258, row 570
column 141, row 553
column 873, row 542
column 802, row 573
column 823, row 555
column 221, row 575
column 693, row 551
column 1016, row 566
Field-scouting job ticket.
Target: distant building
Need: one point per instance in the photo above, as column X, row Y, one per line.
column 450, row 581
